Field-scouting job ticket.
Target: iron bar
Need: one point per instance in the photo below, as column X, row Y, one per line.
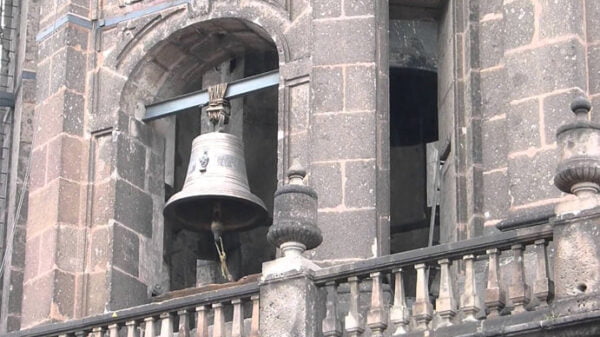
column 200, row 98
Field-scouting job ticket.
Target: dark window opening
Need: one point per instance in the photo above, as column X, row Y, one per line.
column 413, row 125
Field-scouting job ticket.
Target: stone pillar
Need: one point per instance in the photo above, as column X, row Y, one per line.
column 349, row 132
column 22, row 131
column 288, row 296
column 56, row 212
column 577, row 222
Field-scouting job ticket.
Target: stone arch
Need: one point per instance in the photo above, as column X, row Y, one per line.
column 176, row 65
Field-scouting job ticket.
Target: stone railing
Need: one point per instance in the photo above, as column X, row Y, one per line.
column 219, row 312
column 474, row 264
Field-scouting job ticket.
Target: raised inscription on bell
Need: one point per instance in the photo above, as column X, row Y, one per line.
column 230, row 161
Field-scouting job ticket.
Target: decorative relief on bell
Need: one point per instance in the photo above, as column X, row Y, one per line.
column 203, row 161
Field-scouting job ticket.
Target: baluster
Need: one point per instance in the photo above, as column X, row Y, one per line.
column 469, row 301
column 201, row 321
column 80, row 334
column 149, row 327
column 331, row 324
column 131, row 330
column 543, row 287
column 494, row 295
column 219, row 323
column 518, row 290
column 422, row 308
column 254, row 324
column 445, row 305
column 237, row 325
column 166, row 325
column 98, row 331
column 113, row 330
column 353, row 320
column 184, row 324
column 399, row 314
column 377, row 316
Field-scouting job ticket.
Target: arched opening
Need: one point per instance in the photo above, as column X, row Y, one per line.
column 192, row 59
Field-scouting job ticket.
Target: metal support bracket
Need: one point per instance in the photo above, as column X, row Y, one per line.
column 200, row 98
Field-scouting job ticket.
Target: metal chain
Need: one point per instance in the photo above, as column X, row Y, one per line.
column 223, row 259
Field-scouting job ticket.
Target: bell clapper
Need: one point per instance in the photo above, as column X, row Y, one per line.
column 217, row 228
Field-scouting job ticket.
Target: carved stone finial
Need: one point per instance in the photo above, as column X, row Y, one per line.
column 578, row 171
column 580, row 107
column 294, row 226
column 296, row 173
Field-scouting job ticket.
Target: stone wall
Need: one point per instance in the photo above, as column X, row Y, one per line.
column 95, row 234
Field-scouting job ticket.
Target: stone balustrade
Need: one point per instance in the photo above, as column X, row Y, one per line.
column 231, row 312
column 466, row 277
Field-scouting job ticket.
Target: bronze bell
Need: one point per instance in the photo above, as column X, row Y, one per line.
column 216, row 196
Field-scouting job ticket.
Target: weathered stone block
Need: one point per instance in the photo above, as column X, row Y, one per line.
column 155, row 174
column 523, row 125
column 491, row 43
column 43, row 79
column 16, row 292
column 133, row 208
column 126, row 250
column 531, row 178
column 358, row 227
column 131, row 160
column 126, row 291
column 360, row 184
column 592, row 19
column 63, row 112
column 493, row 90
column 276, row 320
column 326, row 179
column 577, row 252
column 359, row 7
column 37, row 177
column 46, row 202
column 494, row 148
column 519, row 23
column 32, row 251
column 545, row 69
column 97, row 297
column 299, row 38
column 300, row 100
column 360, row 90
column 101, row 248
column 489, row 7
column 594, row 68
column 326, row 8
column 103, row 206
column 68, row 70
column 69, row 35
column 496, row 199
column 36, row 307
column 66, row 158
column 557, row 112
column 327, row 89
column 561, row 17
column 344, row 136
column 344, row 41
column 69, row 248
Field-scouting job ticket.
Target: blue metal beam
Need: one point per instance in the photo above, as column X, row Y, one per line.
column 200, row 98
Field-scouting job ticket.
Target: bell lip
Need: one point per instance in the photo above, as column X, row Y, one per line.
column 262, row 218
